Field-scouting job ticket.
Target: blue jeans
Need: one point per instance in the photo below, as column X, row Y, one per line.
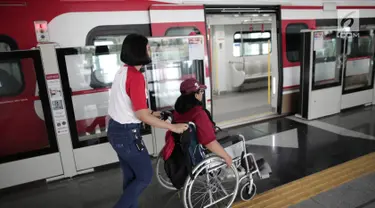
column 136, row 165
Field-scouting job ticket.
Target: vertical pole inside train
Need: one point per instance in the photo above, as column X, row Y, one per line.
column 242, row 48
column 269, row 72
column 215, row 57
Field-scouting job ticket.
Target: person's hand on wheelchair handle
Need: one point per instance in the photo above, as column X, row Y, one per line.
column 179, row 128
column 157, row 114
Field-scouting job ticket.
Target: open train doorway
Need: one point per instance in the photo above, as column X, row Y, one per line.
column 244, row 49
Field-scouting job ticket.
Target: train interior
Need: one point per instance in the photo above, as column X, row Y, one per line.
column 244, row 58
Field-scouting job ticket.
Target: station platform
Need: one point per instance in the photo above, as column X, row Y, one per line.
column 328, row 162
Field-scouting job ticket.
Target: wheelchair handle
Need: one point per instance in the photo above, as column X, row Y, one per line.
column 164, row 115
column 218, row 129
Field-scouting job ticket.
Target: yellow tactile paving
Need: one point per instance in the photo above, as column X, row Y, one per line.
column 307, row 187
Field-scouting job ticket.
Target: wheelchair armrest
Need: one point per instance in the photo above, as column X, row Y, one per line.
column 230, row 139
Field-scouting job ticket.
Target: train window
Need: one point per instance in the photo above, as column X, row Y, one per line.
column 4, row 47
column 11, row 78
column 115, row 34
column 325, row 71
column 328, row 51
column 293, row 40
column 182, row 31
column 109, row 40
column 254, row 43
column 360, row 47
column 358, row 73
column 104, row 64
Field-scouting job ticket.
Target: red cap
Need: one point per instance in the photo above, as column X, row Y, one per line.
column 191, row 85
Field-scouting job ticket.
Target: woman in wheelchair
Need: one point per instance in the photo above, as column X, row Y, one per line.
column 189, row 108
column 208, row 175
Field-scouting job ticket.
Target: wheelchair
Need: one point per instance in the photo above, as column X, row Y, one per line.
column 211, row 177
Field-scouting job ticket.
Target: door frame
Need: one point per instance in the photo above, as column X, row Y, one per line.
column 215, row 9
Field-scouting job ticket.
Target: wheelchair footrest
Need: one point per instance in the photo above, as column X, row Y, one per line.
column 260, row 163
column 265, row 171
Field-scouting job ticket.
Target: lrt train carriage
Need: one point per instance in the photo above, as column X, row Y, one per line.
column 72, row 23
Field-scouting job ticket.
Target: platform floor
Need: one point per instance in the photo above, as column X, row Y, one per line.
column 296, row 150
column 237, row 105
column 358, row 193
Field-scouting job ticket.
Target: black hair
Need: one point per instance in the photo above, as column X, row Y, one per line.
column 186, row 102
column 134, row 50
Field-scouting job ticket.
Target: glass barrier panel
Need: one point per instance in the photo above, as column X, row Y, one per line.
column 358, row 71
column 23, row 130
column 326, row 71
column 91, row 71
column 173, row 61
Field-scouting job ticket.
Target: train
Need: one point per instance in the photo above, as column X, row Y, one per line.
column 77, row 23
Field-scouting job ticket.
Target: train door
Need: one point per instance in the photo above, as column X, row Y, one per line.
column 178, row 20
column 245, row 65
column 321, row 73
column 358, row 69
column 28, row 143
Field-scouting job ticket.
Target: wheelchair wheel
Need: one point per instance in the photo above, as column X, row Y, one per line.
column 246, row 193
column 213, row 184
column 161, row 175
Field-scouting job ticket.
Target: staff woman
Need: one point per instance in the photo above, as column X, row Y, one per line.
column 127, row 109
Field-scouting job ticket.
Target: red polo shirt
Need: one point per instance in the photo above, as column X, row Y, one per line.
column 128, row 95
column 205, row 128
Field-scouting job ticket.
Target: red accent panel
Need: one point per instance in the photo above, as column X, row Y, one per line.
column 89, row 125
column 52, row 76
column 292, row 64
column 91, row 91
column 284, row 23
column 301, row 7
column 176, row 7
column 359, row 58
column 291, row 87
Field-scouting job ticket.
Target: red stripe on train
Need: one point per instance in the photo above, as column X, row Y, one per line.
column 291, row 87
column 359, row 58
column 90, row 91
